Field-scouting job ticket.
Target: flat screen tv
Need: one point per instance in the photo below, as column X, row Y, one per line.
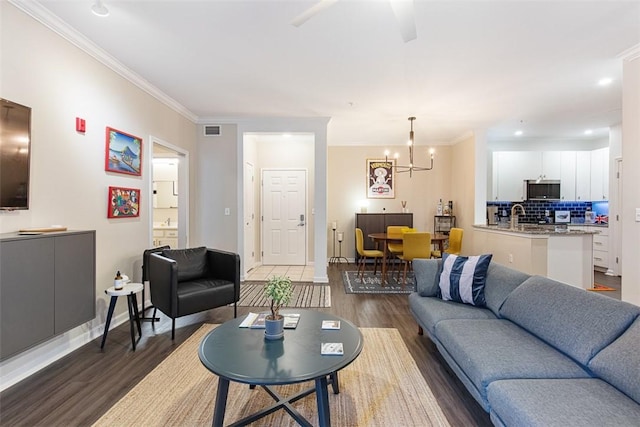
column 15, row 153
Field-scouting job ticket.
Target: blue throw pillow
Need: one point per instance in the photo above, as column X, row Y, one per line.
column 463, row 278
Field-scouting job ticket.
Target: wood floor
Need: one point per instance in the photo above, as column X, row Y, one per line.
column 78, row 389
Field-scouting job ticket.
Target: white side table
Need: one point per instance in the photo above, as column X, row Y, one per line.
column 130, row 290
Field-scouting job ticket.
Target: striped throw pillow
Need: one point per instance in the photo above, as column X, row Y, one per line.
column 463, row 278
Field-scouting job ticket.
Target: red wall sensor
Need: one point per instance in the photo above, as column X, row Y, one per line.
column 80, row 125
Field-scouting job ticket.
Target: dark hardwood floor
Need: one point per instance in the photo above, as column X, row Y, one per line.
column 78, row 389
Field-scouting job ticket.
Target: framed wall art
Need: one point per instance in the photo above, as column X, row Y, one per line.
column 380, row 179
column 123, row 153
column 123, row 202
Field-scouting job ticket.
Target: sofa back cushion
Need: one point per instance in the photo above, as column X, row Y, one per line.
column 577, row 322
column 501, row 281
column 192, row 262
column 619, row 363
column 426, row 272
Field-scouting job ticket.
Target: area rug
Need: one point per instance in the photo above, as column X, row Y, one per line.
column 382, row 387
column 306, row 295
column 372, row 284
column 599, row 288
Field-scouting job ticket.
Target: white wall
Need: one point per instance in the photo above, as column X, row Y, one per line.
column 68, row 182
column 630, row 179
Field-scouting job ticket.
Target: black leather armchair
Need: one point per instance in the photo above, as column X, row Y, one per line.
column 187, row 281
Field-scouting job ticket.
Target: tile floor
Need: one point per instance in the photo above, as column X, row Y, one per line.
column 297, row 273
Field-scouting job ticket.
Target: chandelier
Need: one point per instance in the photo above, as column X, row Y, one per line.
column 411, row 167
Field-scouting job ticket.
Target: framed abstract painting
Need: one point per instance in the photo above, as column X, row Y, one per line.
column 123, row 202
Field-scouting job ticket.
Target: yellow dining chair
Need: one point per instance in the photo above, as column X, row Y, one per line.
column 366, row 253
column 455, row 243
column 395, row 248
column 414, row 245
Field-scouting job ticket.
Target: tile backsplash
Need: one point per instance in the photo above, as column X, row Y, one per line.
column 535, row 209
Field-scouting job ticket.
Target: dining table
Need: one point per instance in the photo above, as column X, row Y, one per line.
column 384, row 238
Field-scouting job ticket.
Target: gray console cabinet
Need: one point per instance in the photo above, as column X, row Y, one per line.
column 377, row 223
column 47, row 287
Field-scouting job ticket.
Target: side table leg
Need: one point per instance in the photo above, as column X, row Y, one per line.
column 112, row 306
column 322, row 397
column 131, row 320
column 137, row 313
column 221, row 402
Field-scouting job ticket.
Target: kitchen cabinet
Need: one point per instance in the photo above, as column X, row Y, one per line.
column 514, row 167
column 551, row 167
column 583, row 175
column 48, row 286
column 568, row 175
column 599, row 174
column 600, row 244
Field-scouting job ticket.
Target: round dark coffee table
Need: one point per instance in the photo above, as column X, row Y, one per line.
column 243, row 355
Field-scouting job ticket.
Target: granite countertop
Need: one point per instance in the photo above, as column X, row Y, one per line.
column 535, row 229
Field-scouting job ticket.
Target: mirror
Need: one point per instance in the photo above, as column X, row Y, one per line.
column 165, row 194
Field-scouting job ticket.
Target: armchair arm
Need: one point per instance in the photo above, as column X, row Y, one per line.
column 224, row 265
column 163, row 283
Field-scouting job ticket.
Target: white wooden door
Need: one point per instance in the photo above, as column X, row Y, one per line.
column 249, row 217
column 284, row 217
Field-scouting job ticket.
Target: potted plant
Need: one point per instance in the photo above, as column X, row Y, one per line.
column 278, row 290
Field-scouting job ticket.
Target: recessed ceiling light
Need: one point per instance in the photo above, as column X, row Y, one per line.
column 605, row 81
column 588, row 132
column 99, row 9
column 518, row 133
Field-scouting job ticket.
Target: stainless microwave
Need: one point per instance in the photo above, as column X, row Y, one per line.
column 542, row 190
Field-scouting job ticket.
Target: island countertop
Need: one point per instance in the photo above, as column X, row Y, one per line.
column 535, row 230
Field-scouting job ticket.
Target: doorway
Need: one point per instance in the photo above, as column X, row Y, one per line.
column 168, row 201
column 284, row 219
column 249, row 216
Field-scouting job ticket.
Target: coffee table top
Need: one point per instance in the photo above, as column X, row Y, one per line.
column 243, row 355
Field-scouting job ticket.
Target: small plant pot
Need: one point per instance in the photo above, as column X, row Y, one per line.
column 274, row 329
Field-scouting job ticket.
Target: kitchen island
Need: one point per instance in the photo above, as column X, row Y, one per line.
column 546, row 250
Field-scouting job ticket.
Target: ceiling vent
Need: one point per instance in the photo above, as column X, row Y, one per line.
column 211, row 130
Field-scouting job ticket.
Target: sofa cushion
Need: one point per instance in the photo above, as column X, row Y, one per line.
column 501, row 281
column 577, row 322
column 560, row 402
column 192, row 262
column 426, row 275
column 430, row 310
column 463, row 278
column 616, row 362
column 491, row 350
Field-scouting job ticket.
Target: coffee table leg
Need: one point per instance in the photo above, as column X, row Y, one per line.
column 221, row 402
column 322, row 397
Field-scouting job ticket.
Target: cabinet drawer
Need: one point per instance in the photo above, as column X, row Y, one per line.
column 158, row 233
column 601, row 259
column 171, row 233
column 600, row 242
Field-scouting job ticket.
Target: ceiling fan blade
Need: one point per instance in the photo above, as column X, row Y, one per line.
column 405, row 16
column 309, row 13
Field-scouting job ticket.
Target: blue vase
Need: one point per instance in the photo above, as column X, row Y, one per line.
column 274, row 329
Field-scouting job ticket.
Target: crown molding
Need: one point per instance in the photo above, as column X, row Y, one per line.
column 51, row 21
column 630, row 54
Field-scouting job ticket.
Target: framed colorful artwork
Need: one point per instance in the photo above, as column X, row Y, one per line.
column 123, row 153
column 380, row 179
column 123, row 202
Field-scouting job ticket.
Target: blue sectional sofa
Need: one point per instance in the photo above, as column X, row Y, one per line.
column 540, row 353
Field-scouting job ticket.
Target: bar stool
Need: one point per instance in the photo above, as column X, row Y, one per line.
column 130, row 290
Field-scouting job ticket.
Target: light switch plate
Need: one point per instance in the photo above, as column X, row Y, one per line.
column 637, row 214
column 227, row 211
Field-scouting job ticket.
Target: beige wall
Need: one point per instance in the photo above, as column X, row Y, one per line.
column 463, row 188
column 68, row 182
column 630, row 179
column 347, row 183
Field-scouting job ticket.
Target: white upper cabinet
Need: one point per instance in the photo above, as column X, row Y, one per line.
column 583, row 176
column 551, row 165
column 514, row 167
column 600, row 174
column 568, row 175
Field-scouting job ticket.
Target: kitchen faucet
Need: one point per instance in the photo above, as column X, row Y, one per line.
column 514, row 217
